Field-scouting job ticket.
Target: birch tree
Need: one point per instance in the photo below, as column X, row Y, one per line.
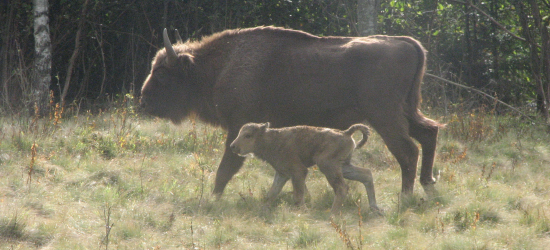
column 43, row 57
column 367, row 16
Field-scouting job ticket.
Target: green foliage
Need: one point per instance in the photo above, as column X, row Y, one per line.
column 11, row 228
column 307, row 236
column 15, row 229
column 536, row 218
column 127, row 231
column 119, row 40
column 465, row 45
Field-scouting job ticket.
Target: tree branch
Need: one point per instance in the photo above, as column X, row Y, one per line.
column 479, row 92
column 469, row 3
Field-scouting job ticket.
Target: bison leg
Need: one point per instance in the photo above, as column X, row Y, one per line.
column 231, row 164
column 278, row 183
column 336, row 181
column 394, row 130
column 364, row 176
column 406, row 154
column 427, row 137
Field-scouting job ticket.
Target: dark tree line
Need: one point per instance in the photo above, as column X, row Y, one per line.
column 101, row 49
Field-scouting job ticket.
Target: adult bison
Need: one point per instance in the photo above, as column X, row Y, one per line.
column 288, row 77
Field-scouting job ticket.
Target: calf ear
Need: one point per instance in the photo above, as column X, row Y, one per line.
column 267, row 125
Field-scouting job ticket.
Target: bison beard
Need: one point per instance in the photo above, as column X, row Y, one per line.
column 288, row 77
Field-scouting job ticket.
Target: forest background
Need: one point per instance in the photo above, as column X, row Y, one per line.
column 103, row 49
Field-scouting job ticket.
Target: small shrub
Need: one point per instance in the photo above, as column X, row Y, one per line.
column 307, row 236
column 537, row 219
column 15, row 229
column 128, row 230
column 470, row 217
column 12, row 228
column 222, row 234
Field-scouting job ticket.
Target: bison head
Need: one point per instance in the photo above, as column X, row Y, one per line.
column 245, row 143
column 166, row 91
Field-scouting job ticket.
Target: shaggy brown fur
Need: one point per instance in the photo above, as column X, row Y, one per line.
column 292, row 150
column 290, row 78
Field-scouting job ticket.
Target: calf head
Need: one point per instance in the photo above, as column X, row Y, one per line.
column 250, row 133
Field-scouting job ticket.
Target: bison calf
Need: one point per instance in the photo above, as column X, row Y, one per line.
column 292, row 150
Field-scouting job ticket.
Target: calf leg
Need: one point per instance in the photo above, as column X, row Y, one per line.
column 336, row 181
column 299, row 185
column 364, row 176
column 278, row 183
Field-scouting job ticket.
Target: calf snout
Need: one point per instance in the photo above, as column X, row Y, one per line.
column 234, row 148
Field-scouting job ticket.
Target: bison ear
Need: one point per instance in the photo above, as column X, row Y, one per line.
column 187, row 60
column 265, row 126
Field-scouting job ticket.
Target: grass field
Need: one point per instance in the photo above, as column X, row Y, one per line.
column 118, row 180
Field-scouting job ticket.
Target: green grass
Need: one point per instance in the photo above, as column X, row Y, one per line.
column 156, row 179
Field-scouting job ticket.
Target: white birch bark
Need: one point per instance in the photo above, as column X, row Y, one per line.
column 43, row 56
column 367, row 16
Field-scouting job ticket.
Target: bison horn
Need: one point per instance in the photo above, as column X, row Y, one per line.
column 178, row 37
column 172, row 56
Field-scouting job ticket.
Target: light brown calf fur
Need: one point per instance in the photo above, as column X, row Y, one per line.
column 292, row 150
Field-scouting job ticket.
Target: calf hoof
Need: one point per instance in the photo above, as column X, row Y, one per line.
column 266, row 209
column 335, row 214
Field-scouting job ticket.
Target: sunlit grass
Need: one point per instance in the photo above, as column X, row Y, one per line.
column 156, row 180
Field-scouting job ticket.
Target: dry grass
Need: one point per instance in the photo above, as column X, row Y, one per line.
column 115, row 180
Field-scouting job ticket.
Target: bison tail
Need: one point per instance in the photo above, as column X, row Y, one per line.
column 419, row 119
column 414, row 98
column 364, row 129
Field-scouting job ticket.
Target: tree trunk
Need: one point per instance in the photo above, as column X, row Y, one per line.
column 43, row 57
column 367, row 16
column 4, row 62
column 540, row 59
column 494, row 42
column 468, row 55
column 543, row 81
column 75, row 53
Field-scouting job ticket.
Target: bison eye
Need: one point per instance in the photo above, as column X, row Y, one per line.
column 161, row 78
column 247, row 136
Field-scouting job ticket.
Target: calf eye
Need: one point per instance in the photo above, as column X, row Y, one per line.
column 247, row 136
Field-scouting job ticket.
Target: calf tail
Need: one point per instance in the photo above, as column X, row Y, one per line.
column 364, row 129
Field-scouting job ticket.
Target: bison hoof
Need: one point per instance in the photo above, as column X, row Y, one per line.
column 377, row 210
column 217, row 196
column 430, row 190
column 266, row 209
